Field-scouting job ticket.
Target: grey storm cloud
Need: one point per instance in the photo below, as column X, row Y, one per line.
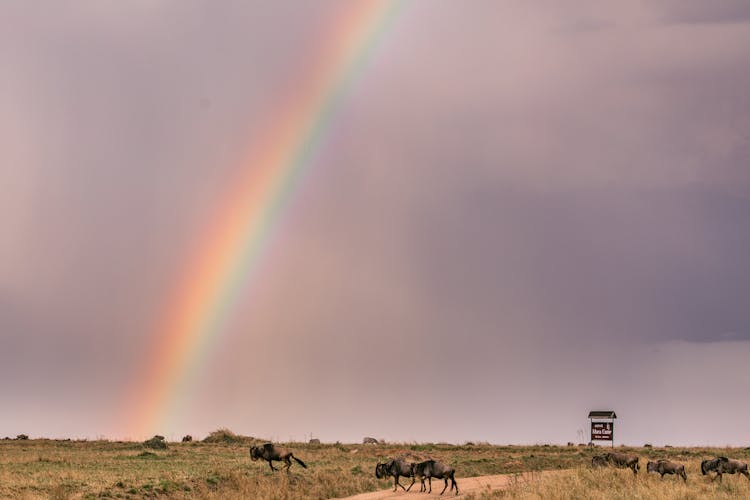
column 513, row 199
column 694, row 11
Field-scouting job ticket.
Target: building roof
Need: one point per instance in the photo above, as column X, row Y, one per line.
column 602, row 414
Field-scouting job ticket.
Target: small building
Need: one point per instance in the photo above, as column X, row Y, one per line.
column 602, row 425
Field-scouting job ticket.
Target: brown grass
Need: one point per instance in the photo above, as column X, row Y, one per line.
column 618, row 484
column 223, row 469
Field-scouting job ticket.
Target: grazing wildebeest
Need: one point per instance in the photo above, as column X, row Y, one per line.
column 624, row 460
column 724, row 465
column 395, row 468
column 711, row 465
column 369, row 440
column 599, row 461
column 666, row 467
column 271, row 453
column 429, row 469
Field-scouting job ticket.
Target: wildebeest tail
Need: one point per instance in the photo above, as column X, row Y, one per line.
column 703, row 467
column 299, row 461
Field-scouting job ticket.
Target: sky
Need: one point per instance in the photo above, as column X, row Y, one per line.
column 522, row 211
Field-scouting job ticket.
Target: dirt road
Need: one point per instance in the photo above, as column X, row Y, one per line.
column 466, row 485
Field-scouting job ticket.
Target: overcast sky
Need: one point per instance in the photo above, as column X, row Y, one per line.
column 522, row 211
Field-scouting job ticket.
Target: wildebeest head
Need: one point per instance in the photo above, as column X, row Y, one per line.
column 652, row 466
column 379, row 472
column 712, row 465
column 383, row 470
column 598, row 461
column 255, row 453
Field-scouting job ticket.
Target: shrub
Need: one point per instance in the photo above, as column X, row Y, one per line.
column 187, row 439
column 157, row 443
column 225, row 436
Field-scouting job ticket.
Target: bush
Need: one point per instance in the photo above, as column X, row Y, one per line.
column 156, row 443
column 225, row 436
column 187, row 439
column 22, row 437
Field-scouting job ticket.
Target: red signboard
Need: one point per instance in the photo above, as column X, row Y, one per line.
column 602, row 431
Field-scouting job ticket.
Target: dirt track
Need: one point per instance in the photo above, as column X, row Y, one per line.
column 465, row 484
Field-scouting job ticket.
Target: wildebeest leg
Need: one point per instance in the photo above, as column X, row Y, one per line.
column 412, row 483
column 402, row 486
column 430, row 480
column 288, row 462
column 453, row 478
column 446, row 485
column 271, row 466
column 397, row 482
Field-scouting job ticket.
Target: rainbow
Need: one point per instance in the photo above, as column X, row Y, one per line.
column 196, row 314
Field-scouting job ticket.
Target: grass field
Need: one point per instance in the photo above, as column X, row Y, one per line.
column 223, row 469
column 618, row 484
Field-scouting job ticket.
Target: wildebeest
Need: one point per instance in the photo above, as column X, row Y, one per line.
column 724, row 465
column 711, row 465
column 314, row 441
column 369, row 440
column 624, row 460
column 666, row 467
column 271, row 453
column 599, row 461
column 395, row 468
column 429, row 469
